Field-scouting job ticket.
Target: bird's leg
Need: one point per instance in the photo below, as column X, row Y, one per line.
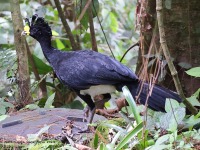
column 86, row 113
column 90, row 118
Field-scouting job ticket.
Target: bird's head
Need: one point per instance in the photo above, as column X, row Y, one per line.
column 37, row 28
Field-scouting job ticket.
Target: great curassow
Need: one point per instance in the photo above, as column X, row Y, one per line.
column 90, row 73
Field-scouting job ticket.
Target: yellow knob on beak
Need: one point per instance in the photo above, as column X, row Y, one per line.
column 26, row 30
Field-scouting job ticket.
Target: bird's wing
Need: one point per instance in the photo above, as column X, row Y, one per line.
column 85, row 68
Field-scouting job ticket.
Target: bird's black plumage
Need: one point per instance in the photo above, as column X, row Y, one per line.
column 89, row 68
column 84, row 69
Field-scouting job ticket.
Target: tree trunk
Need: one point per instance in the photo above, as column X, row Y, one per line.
column 182, row 28
column 23, row 72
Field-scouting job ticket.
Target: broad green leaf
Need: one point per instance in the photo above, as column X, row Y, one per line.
column 159, row 147
column 81, row 4
column 85, row 20
column 197, row 93
column 130, row 136
column 41, row 66
column 7, row 104
column 76, row 105
column 2, row 110
column 2, row 117
column 171, row 105
column 162, row 139
column 50, row 101
column 194, row 72
column 95, row 7
column 113, row 22
column 32, row 106
column 173, row 137
column 59, row 44
column 192, row 121
column 193, row 100
column 132, row 104
column 35, row 137
column 54, row 33
column 170, row 120
column 172, row 125
column 102, row 147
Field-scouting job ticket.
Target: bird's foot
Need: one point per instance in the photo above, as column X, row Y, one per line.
column 108, row 112
column 85, row 130
column 86, row 112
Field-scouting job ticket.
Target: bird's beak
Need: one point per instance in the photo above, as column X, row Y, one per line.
column 26, row 31
column 23, row 33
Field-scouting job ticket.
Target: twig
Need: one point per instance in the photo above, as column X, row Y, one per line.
column 172, row 69
column 136, row 44
column 103, row 30
column 66, row 26
column 92, row 32
column 84, row 10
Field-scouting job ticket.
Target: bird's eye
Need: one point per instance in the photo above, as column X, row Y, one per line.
column 34, row 30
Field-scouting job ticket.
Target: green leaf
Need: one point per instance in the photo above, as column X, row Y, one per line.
column 2, row 117
column 194, row 72
column 132, row 104
column 193, row 100
column 96, row 140
column 84, row 21
column 102, row 147
column 34, row 137
column 41, row 66
column 42, row 102
column 50, row 101
column 54, row 33
column 130, row 136
column 96, row 5
column 159, row 147
column 162, row 139
column 197, row 93
column 171, row 105
column 32, row 106
column 76, row 105
column 2, row 110
column 170, row 120
column 192, row 121
column 7, row 104
column 113, row 22
column 59, row 44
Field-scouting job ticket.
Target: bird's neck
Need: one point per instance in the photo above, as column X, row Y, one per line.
column 45, row 45
column 47, row 49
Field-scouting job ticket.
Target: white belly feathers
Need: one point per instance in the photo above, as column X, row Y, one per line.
column 98, row 89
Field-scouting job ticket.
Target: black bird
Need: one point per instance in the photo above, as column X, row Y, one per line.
column 90, row 73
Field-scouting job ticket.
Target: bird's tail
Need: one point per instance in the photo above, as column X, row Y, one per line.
column 157, row 97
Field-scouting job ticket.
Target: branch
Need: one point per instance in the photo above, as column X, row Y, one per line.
column 136, row 44
column 92, row 32
column 164, row 46
column 84, row 10
column 66, row 26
